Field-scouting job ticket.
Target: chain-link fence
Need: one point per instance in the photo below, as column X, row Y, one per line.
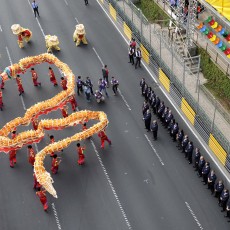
column 182, row 70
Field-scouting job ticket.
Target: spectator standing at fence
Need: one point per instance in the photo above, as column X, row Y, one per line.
column 35, row 8
column 138, row 58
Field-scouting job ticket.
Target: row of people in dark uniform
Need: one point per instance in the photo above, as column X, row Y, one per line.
column 203, row 168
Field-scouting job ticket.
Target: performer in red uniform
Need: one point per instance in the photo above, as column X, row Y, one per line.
column 2, row 84
column 13, row 134
column 41, row 193
column 1, row 102
column 52, row 140
column 64, row 111
column 64, row 83
column 81, row 156
column 52, row 77
column 73, row 103
column 36, row 183
column 35, row 77
column 104, row 138
column 55, row 164
column 35, row 123
column 84, row 127
column 31, row 155
column 19, row 83
column 12, row 158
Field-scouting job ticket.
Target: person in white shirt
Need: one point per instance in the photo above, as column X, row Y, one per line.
column 138, row 58
column 35, row 8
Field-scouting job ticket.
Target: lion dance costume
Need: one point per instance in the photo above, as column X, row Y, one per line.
column 79, row 35
column 22, row 33
column 52, row 42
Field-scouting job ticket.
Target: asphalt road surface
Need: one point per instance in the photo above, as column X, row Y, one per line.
column 135, row 183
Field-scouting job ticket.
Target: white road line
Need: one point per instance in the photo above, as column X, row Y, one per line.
column 172, row 102
column 155, row 151
column 98, row 57
column 0, row 28
column 194, row 216
column 76, row 20
column 66, row 2
column 8, row 54
column 56, row 216
column 123, row 98
column 111, row 186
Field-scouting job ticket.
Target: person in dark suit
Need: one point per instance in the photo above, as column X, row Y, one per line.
column 145, row 107
column 180, row 137
column 211, row 181
column 196, row 158
column 154, row 129
column 189, row 151
column 131, row 55
column 219, row 188
column 184, row 143
column 224, row 199
column 201, row 165
column 86, row 2
column 205, row 172
column 147, row 119
column 142, row 85
column 228, row 210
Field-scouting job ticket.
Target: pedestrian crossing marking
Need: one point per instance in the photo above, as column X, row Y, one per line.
column 113, row 12
column 127, row 31
column 217, row 149
column 145, row 54
column 188, row 111
column 164, row 80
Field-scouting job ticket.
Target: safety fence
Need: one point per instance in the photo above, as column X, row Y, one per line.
column 208, row 130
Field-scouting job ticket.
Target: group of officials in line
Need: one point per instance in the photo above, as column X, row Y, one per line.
column 203, row 168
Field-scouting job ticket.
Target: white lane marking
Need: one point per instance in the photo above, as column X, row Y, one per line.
column 172, row 102
column 0, row 28
column 8, row 54
column 98, row 57
column 111, row 186
column 76, row 20
column 37, row 20
column 123, row 98
column 66, row 2
column 56, row 216
column 194, row 216
column 155, row 151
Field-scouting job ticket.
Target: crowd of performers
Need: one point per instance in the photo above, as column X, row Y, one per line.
column 203, row 168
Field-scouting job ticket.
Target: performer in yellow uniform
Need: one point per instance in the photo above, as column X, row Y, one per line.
column 79, row 35
column 22, row 33
column 52, row 42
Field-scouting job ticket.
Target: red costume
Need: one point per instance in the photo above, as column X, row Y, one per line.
column 55, row 165
column 2, row 84
column 52, row 77
column 31, row 154
column 36, row 183
column 1, row 102
column 64, row 112
column 42, row 196
column 104, row 138
column 26, row 34
column 81, row 156
column 73, row 102
column 13, row 134
column 64, row 84
column 35, row 123
column 52, row 140
column 35, row 78
column 20, row 87
column 12, row 158
column 84, row 127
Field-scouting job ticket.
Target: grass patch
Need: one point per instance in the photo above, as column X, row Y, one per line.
column 152, row 11
column 217, row 82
